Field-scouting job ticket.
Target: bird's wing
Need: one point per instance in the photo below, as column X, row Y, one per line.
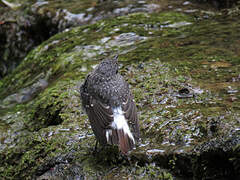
column 100, row 116
column 130, row 113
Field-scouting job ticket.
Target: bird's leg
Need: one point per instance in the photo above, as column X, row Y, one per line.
column 95, row 149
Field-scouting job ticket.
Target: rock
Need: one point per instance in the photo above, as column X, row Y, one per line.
column 47, row 135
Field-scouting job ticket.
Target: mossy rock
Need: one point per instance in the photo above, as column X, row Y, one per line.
column 160, row 54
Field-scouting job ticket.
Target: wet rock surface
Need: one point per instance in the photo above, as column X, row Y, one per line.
column 184, row 76
column 25, row 24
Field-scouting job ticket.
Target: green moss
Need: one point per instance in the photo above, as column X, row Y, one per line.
column 47, row 55
column 170, row 59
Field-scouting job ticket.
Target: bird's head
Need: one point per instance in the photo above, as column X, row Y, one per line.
column 108, row 67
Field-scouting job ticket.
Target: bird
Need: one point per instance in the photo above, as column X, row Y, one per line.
column 109, row 104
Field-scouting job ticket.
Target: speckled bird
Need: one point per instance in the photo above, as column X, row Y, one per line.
column 110, row 107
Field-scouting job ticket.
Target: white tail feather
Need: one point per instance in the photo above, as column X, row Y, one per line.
column 119, row 122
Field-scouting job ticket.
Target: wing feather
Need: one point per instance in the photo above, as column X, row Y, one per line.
column 100, row 116
column 130, row 114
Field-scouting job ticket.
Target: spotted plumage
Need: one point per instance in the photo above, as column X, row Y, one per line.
column 109, row 104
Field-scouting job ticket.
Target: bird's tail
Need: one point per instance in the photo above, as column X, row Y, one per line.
column 125, row 142
column 121, row 138
column 120, row 133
